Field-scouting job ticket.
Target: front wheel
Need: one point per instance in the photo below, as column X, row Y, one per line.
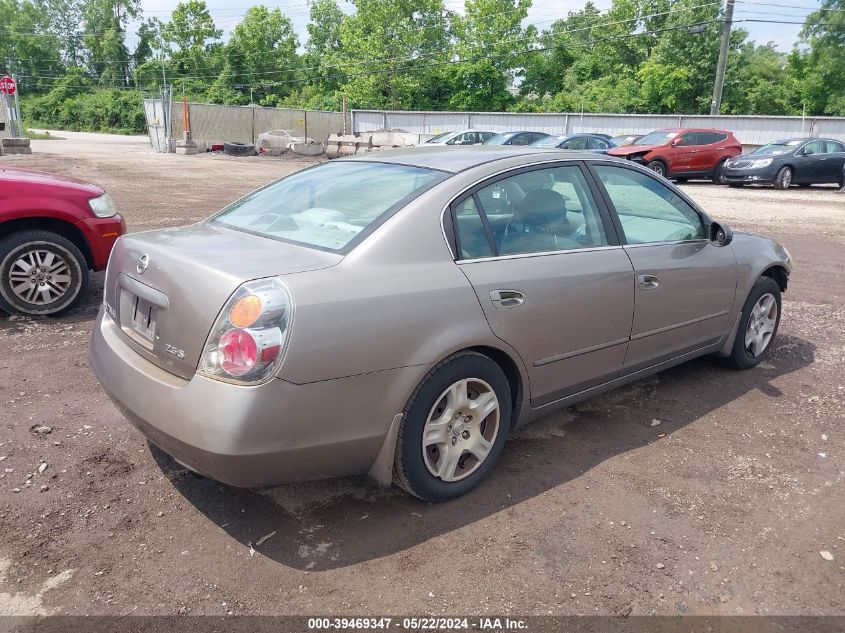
column 41, row 273
column 758, row 325
column 784, row 178
column 658, row 167
column 454, row 428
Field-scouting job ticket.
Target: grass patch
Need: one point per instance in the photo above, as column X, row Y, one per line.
column 43, row 136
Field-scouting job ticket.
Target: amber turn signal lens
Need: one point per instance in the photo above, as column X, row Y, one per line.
column 246, row 311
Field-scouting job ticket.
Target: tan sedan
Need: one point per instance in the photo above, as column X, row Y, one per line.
column 399, row 313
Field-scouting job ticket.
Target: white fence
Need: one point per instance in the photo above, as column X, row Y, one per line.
column 750, row 130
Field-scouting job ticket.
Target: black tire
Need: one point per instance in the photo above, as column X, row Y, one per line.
column 16, row 245
column 719, row 173
column 238, row 149
column 659, row 168
column 740, row 357
column 784, row 178
column 409, row 467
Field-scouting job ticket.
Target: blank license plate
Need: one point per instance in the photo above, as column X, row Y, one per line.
column 143, row 321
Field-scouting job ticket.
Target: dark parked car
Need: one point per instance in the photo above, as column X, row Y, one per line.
column 589, row 142
column 625, row 139
column 52, row 231
column 794, row 161
column 516, row 138
column 683, row 153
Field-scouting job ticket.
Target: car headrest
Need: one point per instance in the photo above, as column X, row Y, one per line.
column 540, row 207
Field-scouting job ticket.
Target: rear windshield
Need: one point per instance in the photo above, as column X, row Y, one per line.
column 330, row 205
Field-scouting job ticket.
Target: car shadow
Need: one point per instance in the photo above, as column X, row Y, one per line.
column 335, row 523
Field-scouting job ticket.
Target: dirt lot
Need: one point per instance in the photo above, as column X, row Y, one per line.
column 722, row 508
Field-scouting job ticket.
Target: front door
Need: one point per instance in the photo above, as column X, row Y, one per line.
column 685, row 285
column 549, row 273
column 810, row 162
column 682, row 152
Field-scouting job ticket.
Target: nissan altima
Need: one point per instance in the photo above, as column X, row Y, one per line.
column 398, row 314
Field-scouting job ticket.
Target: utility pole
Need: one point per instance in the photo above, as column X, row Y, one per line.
column 716, row 104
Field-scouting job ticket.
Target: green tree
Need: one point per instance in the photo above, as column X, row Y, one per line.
column 389, row 52
column 105, row 24
column 260, row 58
column 823, row 72
column 28, row 49
column 192, row 32
column 490, row 43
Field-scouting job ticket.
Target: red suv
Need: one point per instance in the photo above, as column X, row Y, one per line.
column 52, row 231
column 684, row 153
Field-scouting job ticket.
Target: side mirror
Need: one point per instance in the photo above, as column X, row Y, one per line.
column 721, row 234
column 676, row 141
column 807, row 151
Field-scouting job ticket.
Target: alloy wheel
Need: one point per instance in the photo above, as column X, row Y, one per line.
column 761, row 325
column 786, row 178
column 40, row 277
column 657, row 168
column 461, row 429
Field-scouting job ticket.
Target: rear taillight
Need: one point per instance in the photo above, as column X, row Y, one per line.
column 247, row 343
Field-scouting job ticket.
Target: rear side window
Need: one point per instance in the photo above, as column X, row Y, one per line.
column 331, row 205
column 834, row 147
column 648, row 210
column 537, row 211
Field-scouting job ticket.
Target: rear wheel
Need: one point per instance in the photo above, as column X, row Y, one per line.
column 454, row 428
column 719, row 174
column 41, row 273
column 758, row 325
column 784, row 178
column 658, row 167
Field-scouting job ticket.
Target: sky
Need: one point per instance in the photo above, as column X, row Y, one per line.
column 227, row 13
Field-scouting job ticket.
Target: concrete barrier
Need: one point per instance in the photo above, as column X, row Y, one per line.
column 9, row 146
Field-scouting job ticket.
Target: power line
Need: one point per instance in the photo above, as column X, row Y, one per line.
column 534, row 39
column 416, row 68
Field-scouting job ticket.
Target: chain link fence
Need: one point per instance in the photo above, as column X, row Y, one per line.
column 242, row 124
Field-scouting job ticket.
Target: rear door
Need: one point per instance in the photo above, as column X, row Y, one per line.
column 836, row 150
column 539, row 248
column 685, row 286
column 705, row 154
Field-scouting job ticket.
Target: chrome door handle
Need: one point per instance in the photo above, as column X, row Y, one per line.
column 506, row 299
column 648, row 282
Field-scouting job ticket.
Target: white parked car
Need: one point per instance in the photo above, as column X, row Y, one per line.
column 461, row 137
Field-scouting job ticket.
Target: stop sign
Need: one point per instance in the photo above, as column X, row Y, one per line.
column 8, row 85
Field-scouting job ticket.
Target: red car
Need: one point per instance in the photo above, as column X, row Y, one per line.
column 53, row 230
column 684, row 153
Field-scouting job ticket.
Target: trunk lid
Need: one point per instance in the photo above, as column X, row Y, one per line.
column 166, row 305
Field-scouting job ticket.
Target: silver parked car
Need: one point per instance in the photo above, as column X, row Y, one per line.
column 399, row 313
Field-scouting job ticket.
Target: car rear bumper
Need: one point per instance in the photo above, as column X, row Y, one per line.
column 101, row 234
column 249, row 436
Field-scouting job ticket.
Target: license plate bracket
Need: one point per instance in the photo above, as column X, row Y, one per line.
column 140, row 322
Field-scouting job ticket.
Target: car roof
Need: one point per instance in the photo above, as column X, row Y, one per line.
column 460, row 158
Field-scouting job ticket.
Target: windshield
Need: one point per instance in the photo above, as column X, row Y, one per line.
column 328, row 206
column 499, row 139
column 549, row 141
column 440, row 137
column 778, row 147
column 625, row 139
column 661, row 137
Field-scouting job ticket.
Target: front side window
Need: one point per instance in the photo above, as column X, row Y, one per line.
column 328, row 206
column 814, row 147
column 834, row 147
column 649, row 210
column 536, row 211
column 690, row 138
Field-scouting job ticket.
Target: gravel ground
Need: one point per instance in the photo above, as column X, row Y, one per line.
column 721, row 508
